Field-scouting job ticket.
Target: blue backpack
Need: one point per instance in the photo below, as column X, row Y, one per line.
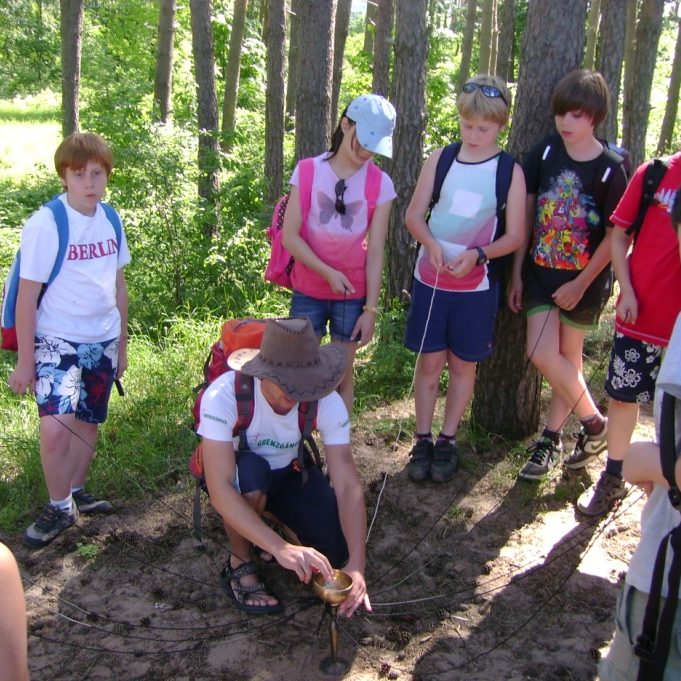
column 11, row 288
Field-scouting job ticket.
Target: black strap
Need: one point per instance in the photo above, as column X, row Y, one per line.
column 245, row 405
column 651, row 181
column 444, row 163
column 668, row 446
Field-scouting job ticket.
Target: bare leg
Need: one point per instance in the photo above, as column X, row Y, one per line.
column 459, row 391
column 346, row 387
column 58, row 460
column 82, row 447
column 13, row 622
column 428, row 369
column 622, row 417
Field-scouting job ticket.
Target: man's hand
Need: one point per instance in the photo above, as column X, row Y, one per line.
column 304, row 561
column 627, row 307
column 22, row 379
column 568, row 295
column 358, row 594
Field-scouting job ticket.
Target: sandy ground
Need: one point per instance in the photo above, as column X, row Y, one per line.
column 482, row 578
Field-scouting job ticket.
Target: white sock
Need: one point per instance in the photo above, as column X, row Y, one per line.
column 63, row 505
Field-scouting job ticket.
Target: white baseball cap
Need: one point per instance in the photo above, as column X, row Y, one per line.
column 375, row 119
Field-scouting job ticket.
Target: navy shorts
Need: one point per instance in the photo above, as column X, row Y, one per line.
column 340, row 315
column 460, row 322
column 633, row 369
column 309, row 509
column 540, row 283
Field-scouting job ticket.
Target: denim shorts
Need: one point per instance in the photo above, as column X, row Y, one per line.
column 309, row 509
column 633, row 369
column 74, row 378
column 340, row 315
column 460, row 322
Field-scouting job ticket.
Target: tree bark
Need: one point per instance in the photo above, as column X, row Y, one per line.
column 637, row 99
column 369, row 27
column 508, row 389
column 506, row 38
column 164, row 60
column 207, row 112
column 236, row 40
column 667, row 131
column 313, row 105
column 467, row 44
column 71, row 18
column 340, row 35
column 591, row 33
column 629, row 58
column 485, row 47
column 610, row 57
column 274, row 100
column 411, row 51
column 384, row 22
column 293, row 59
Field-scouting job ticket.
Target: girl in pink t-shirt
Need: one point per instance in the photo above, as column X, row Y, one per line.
column 339, row 261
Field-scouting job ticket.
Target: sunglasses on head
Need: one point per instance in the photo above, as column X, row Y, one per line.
column 487, row 90
column 340, row 192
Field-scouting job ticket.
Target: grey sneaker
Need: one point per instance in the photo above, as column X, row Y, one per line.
column 445, row 461
column 52, row 522
column 587, row 448
column 89, row 504
column 601, row 497
column 418, row 468
column 544, row 455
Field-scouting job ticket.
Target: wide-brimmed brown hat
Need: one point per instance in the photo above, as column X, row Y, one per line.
column 290, row 355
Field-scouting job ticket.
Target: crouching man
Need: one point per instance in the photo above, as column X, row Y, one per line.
column 329, row 520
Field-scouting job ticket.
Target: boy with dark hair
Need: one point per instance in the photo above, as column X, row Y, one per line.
column 72, row 335
column 643, row 324
column 573, row 183
column 642, row 466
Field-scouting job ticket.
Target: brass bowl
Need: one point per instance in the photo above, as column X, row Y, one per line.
column 335, row 591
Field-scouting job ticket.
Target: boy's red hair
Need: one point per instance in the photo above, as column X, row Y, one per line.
column 77, row 149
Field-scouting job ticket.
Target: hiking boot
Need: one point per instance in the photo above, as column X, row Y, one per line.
column 89, row 504
column 418, row 468
column 544, row 455
column 588, row 447
column 52, row 522
column 601, row 497
column 445, row 461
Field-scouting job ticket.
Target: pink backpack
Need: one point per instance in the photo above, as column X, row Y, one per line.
column 281, row 261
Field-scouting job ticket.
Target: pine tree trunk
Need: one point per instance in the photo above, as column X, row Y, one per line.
column 485, row 47
column 71, row 40
column 293, row 59
column 629, row 61
column 610, row 57
column 313, row 105
column 467, row 45
column 274, row 100
column 164, row 60
column 384, row 22
column 236, row 40
column 369, row 27
column 411, row 51
column 637, row 99
column 667, row 131
column 591, row 33
column 506, row 37
column 507, row 390
column 340, row 35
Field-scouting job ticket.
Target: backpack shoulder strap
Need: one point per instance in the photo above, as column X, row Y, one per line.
column 372, row 188
column 305, row 180
column 652, row 177
column 609, row 162
column 62, row 220
column 444, row 163
column 115, row 221
column 245, row 406
column 504, row 177
column 307, row 421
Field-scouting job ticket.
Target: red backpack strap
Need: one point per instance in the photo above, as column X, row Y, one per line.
column 245, row 406
column 307, row 422
column 305, row 179
column 372, row 188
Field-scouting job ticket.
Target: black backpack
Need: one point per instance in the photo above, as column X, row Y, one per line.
column 651, row 181
column 652, row 646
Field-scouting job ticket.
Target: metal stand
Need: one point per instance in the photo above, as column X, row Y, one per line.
column 332, row 664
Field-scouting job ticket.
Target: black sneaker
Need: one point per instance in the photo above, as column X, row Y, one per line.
column 52, row 522
column 418, row 468
column 544, row 455
column 445, row 461
column 89, row 504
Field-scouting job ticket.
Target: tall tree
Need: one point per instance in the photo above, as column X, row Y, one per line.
column 629, row 52
column 411, row 52
column 340, row 35
column 274, row 99
column 384, row 24
column 164, row 60
column 293, row 59
column 369, row 27
column 508, row 388
column 313, row 104
column 610, row 57
column 637, row 99
column 667, row 130
column 207, row 112
column 486, row 37
column 467, row 44
column 506, row 39
column 71, row 41
column 591, row 34
column 236, row 40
